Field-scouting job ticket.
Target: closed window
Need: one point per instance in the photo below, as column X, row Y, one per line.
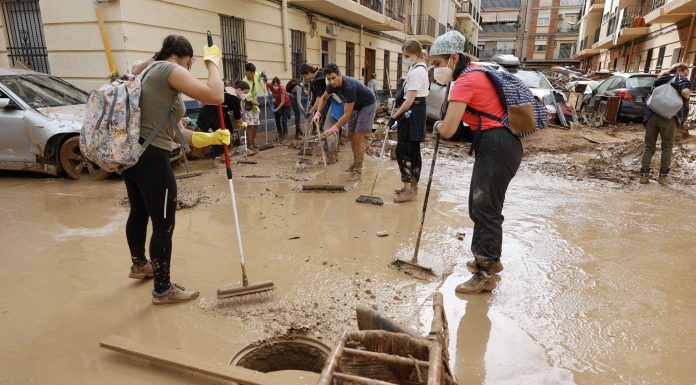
column 540, row 48
column 544, row 19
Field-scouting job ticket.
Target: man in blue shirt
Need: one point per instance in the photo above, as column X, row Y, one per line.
column 359, row 111
column 666, row 128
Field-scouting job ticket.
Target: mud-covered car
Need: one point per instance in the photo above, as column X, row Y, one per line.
column 41, row 117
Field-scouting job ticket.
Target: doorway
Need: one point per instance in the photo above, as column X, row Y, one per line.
column 369, row 65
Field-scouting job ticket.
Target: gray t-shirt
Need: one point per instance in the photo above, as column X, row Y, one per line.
column 156, row 98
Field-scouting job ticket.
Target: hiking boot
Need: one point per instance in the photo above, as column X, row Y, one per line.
column 138, row 271
column 175, row 294
column 479, row 282
column 663, row 179
column 331, row 158
column 406, row 195
column 356, row 175
column 644, row 179
column 495, row 266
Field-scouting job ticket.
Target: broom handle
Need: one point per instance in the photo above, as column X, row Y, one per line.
column 379, row 165
column 323, row 157
column 228, row 167
column 443, row 112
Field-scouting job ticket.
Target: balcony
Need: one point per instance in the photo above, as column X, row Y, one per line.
column 486, row 54
column 567, row 29
column 378, row 15
column 627, row 24
column 499, row 29
column 421, row 28
column 467, row 11
column 596, row 6
column 669, row 11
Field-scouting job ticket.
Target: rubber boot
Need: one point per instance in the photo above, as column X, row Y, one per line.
column 483, row 279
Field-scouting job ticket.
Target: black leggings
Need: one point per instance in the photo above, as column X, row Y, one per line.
column 498, row 156
column 151, row 191
column 410, row 133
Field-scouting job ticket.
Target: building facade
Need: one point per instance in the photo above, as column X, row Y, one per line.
column 541, row 33
column 637, row 36
column 64, row 38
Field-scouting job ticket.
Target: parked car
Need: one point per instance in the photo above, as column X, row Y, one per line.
column 633, row 88
column 436, row 97
column 541, row 88
column 41, row 117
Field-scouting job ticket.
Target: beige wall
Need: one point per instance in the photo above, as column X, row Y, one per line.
column 136, row 29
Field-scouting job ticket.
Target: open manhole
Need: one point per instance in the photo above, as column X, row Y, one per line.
column 287, row 353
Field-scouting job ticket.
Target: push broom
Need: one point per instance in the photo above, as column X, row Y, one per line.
column 327, row 186
column 245, row 288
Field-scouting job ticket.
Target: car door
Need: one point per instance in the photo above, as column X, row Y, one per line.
column 15, row 145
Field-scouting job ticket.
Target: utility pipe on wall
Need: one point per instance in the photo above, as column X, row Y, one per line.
column 284, row 22
column 685, row 55
column 113, row 74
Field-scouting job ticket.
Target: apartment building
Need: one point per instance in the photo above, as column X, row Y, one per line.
column 637, row 35
column 541, row 33
column 63, row 37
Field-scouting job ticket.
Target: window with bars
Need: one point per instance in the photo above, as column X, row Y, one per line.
column 350, row 59
column 324, row 53
column 648, row 59
column 660, row 59
column 385, row 83
column 399, row 66
column 26, row 43
column 233, row 47
column 298, row 48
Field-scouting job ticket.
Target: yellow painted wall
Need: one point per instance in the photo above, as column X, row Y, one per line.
column 136, row 29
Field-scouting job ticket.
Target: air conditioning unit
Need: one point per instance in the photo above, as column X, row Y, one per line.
column 332, row 30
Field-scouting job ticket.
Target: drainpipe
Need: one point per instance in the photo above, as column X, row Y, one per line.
column 284, row 21
column 688, row 40
column 362, row 52
column 113, row 74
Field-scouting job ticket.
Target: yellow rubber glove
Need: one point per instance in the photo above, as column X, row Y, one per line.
column 212, row 54
column 243, row 124
column 204, row 139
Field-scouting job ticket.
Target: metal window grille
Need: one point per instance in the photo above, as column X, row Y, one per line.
column 324, row 53
column 25, row 35
column 660, row 59
column 233, row 47
column 386, row 84
column 646, row 69
column 299, row 51
column 350, row 59
column 399, row 66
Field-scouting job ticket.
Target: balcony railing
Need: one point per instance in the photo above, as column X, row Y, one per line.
column 488, row 53
column 655, row 4
column 375, row 5
column 567, row 29
column 421, row 25
column 593, row 2
column 468, row 7
column 564, row 54
column 394, row 9
column 499, row 28
column 630, row 12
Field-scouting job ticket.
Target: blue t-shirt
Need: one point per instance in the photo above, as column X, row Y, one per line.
column 353, row 91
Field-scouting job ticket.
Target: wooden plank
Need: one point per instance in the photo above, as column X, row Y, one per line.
column 388, row 358
column 179, row 360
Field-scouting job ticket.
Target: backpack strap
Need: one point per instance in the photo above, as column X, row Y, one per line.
column 168, row 116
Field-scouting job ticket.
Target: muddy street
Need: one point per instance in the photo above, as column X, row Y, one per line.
column 597, row 286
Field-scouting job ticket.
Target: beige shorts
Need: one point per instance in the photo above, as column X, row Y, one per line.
column 252, row 118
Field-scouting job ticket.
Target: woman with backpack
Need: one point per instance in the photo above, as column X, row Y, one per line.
column 498, row 154
column 150, row 183
column 411, row 130
column 281, row 108
column 295, row 90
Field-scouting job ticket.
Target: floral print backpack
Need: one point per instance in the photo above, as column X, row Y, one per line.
column 111, row 127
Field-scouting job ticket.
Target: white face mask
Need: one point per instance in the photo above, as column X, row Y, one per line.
column 408, row 61
column 243, row 96
column 443, row 75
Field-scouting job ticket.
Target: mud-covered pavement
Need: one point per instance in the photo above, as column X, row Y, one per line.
column 597, row 286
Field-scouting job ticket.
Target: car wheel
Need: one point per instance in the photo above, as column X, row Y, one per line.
column 75, row 165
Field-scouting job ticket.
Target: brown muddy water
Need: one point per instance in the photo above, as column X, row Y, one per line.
column 598, row 283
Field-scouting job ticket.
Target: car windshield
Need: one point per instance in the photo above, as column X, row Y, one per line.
column 533, row 79
column 640, row 82
column 40, row 91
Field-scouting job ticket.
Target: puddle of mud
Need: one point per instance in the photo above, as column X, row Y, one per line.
column 586, row 297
